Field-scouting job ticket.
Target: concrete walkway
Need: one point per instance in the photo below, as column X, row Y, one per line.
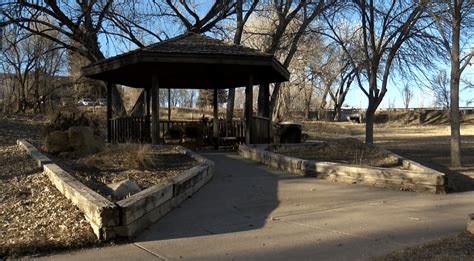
column 249, row 211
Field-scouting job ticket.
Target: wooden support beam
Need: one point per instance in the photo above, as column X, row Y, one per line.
column 109, row 112
column 146, row 132
column 147, row 102
column 266, row 100
column 248, row 110
column 215, row 132
column 155, row 110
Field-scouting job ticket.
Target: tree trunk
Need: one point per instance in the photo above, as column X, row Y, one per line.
column 455, row 77
column 263, row 103
column 337, row 112
column 369, row 125
column 138, row 109
column 230, row 105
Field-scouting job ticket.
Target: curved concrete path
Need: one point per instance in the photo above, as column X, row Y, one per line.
column 249, row 211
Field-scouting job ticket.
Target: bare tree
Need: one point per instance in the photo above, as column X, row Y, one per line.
column 284, row 24
column 385, row 28
column 440, row 88
column 407, row 95
column 34, row 64
column 454, row 20
column 186, row 13
column 242, row 16
column 78, row 24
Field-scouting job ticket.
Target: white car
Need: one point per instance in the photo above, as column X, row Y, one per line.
column 101, row 102
column 86, row 102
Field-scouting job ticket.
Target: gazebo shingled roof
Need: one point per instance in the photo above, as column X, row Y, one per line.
column 189, row 61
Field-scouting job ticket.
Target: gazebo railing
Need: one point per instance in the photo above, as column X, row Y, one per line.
column 234, row 129
column 130, row 129
column 137, row 129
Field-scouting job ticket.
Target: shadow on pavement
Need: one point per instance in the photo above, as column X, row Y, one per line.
column 240, row 197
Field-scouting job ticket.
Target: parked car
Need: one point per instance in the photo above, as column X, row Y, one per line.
column 101, row 102
column 86, row 102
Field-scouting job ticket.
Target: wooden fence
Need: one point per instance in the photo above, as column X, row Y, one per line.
column 137, row 129
column 129, row 129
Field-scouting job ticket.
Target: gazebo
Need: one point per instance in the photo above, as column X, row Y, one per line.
column 189, row 61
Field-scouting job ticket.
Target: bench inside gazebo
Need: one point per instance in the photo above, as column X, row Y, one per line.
column 189, row 61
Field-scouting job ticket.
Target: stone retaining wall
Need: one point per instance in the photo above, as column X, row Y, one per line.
column 129, row 216
column 416, row 177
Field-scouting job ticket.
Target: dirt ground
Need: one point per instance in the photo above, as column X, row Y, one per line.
column 429, row 145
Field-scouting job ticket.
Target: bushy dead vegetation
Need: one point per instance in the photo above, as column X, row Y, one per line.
column 64, row 119
column 346, row 150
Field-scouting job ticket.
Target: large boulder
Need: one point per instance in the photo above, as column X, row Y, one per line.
column 57, row 142
column 83, row 141
column 122, row 189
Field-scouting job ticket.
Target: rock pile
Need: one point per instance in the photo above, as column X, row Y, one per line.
column 79, row 140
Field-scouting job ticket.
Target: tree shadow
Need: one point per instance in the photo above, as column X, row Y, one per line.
column 240, row 197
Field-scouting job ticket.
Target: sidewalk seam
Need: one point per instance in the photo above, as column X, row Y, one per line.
column 341, row 232
column 150, row 252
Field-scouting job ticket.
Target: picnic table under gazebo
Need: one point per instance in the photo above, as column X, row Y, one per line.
column 188, row 61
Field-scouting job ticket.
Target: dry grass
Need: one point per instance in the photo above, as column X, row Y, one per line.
column 136, row 156
column 345, row 150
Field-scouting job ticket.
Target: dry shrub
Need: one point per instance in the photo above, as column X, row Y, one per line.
column 137, row 156
column 63, row 120
column 348, row 150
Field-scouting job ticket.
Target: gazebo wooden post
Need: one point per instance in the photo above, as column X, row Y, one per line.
column 147, row 113
column 266, row 101
column 155, row 110
column 169, row 108
column 109, row 112
column 248, row 110
column 215, row 125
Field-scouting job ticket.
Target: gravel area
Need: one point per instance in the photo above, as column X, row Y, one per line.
column 35, row 218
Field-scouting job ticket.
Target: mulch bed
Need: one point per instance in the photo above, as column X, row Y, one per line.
column 34, row 216
column 457, row 247
column 347, row 151
column 143, row 164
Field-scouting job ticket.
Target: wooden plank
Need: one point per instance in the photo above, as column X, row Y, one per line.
column 137, row 205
